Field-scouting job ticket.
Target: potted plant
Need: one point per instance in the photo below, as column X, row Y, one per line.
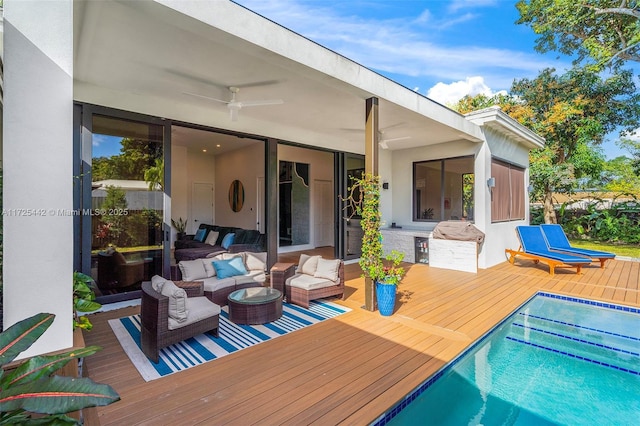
column 387, row 282
column 378, row 270
column 181, row 227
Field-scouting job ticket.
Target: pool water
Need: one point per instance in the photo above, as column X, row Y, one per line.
column 556, row 360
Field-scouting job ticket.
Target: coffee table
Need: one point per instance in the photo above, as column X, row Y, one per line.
column 255, row 305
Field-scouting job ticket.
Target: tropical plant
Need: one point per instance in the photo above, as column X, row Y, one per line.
column 32, row 386
column 83, row 300
column 180, row 225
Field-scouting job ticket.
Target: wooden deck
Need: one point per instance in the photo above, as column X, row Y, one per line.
column 350, row 369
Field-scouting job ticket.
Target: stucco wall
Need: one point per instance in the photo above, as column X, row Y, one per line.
column 500, row 235
column 38, row 134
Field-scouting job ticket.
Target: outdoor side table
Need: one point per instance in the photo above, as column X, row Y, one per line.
column 279, row 273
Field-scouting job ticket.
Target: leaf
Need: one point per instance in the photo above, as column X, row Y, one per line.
column 21, row 335
column 57, row 395
column 43, row 366
column 84, row 305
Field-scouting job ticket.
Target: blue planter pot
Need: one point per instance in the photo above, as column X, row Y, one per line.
column 386, row 295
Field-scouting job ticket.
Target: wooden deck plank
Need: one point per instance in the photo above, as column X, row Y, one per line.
column 349, row 369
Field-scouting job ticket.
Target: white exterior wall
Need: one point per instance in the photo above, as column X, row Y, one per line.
column 499, row 235
column 37, row 151
column 401, row 182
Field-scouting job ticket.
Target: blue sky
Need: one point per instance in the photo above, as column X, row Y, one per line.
column 444, row 49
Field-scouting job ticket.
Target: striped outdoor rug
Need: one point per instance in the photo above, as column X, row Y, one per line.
column 204, row 348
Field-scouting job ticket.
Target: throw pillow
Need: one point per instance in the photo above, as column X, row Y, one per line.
column 328, row 269
column 256, row 261
column 308, row 264
column 192, row 270
column 177, row 301
column 212, row 238
column 229, row 268
column 208, row 267
column 200, row 234
column 157, row 282
column 227, row 240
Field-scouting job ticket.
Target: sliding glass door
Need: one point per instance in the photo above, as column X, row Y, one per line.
column 124, row 200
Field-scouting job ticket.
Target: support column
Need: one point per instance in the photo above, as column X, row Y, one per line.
column 38, row 169
column 371, row 166
column 371, row 131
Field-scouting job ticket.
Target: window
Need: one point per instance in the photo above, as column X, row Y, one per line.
column 507, row 197
column 443, row 189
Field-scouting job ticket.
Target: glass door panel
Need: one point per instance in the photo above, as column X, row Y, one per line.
column 127, row 204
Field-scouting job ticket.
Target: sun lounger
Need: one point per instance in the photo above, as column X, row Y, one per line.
column 558, row 241
column 534, row 246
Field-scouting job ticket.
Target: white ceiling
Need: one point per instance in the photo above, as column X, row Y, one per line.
column 142, row 56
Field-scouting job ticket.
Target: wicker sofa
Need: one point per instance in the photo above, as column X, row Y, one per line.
column 217, row 288
column 161, row 326
column 315, row 278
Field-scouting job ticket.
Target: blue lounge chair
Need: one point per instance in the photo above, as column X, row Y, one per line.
column 534, row 246
column 558, row 241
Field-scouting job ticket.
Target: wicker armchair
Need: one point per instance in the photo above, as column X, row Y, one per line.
column 301, row 296
column 154, row 317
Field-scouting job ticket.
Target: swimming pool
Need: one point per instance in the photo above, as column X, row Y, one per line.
column 556, row 360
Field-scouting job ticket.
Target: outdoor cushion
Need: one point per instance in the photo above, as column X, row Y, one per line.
column 192, row 270
column 212, row 238
column 177, row 301
column 308, row 264
column 257, row 277
column 157, row 282
column 215, row 283
column 229, row 268
column 200, row 234
column 327, row 268
column 227, row 240
column 308, row 282
column 256, row 261
column 199, row 308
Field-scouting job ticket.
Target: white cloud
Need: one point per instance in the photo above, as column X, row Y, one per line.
column 451, row 93
column 406, row 46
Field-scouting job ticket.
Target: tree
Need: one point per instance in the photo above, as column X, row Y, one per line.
column 135, row 158
column 605, row 31
column 573, row 112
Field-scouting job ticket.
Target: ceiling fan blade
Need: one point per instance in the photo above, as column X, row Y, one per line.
column 261, row 103
column 209, row 98
column 396, row 139
column 233, row 112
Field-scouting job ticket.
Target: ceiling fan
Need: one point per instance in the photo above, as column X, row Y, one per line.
column 382, row 141
column 234, row 105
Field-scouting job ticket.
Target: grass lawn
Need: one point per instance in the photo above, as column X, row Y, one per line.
column 627, row 250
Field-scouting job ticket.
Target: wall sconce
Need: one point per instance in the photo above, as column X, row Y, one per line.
column 530, row 188
column 491, row 183
column 385, row 185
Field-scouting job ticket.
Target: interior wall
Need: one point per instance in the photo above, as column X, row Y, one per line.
column 179, row 186
column 320, row 168
column 245, row 165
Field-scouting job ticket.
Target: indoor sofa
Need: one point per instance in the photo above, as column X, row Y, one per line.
column 221, row 274
column 213, row 239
